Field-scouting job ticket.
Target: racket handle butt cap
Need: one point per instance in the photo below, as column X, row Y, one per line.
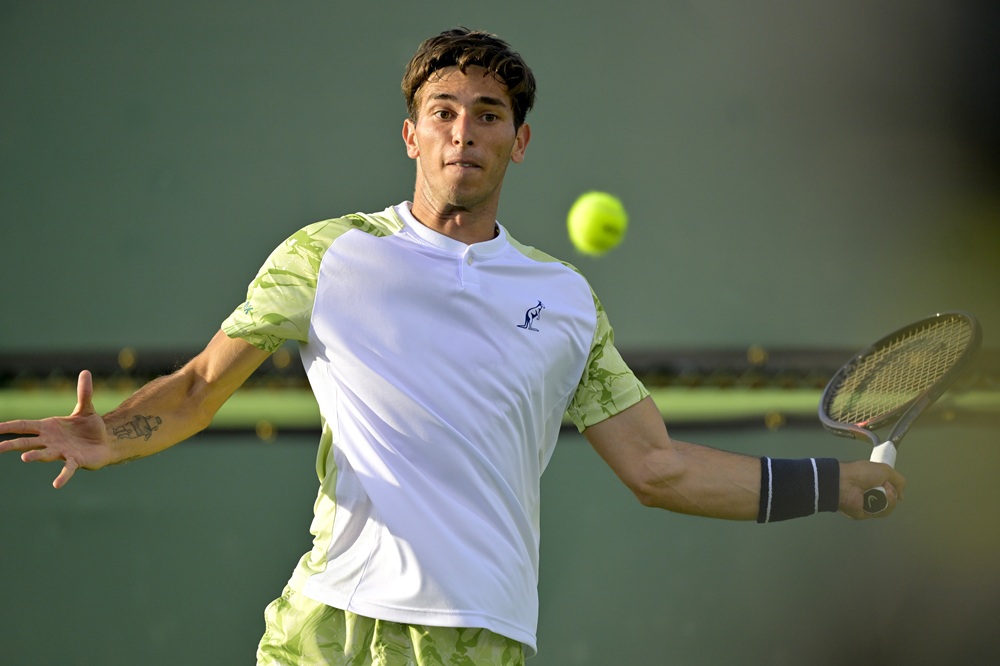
column 875, row 500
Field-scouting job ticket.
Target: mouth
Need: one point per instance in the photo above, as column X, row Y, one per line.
column 463, row 164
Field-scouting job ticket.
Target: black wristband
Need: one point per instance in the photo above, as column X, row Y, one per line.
column 796, row 488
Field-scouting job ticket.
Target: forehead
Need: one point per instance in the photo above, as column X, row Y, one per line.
column 474, row 84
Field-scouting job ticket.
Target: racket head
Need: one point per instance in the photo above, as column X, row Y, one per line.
column 899, row 375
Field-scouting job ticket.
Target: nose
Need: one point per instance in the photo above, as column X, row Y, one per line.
column 462, row 131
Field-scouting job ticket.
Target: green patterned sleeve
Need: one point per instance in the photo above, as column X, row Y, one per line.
column 279, row 301
column 608, row 385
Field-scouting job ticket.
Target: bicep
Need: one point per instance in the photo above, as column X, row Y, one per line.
column 675, row 475
column 635, row 444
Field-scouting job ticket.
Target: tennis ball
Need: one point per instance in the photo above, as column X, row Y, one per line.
column 596, row 222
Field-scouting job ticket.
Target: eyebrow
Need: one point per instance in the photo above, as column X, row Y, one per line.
column 482, row 99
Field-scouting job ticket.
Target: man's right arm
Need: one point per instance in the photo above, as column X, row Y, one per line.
column 162, row 413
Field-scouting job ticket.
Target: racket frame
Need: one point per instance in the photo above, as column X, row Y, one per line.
column 906, row 413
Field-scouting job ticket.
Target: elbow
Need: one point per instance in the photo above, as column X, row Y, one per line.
column 648, row 499
column 654, row 481
column 204, row 410
column 651, row 497
column 198, row 398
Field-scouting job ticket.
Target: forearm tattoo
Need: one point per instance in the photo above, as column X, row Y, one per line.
column 139, row 426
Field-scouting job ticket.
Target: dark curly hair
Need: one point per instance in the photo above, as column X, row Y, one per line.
column 463, row 48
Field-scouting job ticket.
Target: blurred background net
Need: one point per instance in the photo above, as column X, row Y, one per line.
column 752, row 387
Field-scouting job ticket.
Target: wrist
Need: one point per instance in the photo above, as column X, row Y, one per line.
column 797, row 488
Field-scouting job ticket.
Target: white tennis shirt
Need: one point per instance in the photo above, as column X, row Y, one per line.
column 442, row 372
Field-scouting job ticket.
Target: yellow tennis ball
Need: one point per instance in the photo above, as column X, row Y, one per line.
column 596, row 222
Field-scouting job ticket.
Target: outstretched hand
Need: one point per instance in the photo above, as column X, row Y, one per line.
column 80, row 440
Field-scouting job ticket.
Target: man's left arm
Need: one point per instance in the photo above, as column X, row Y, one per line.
column 698, row 480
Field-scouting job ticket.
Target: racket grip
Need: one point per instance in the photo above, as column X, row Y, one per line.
column 875, row 499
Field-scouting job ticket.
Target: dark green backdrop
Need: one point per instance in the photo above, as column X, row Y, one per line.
column 798, row 174
column 171, row 560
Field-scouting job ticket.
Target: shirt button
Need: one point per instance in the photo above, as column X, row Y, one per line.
column 468, row 259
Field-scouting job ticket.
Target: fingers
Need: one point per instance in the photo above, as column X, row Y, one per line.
column 84, row 407
column 20, row 427
column 893, row 484
column 892, row 497
column 861, row 476
column 20, row 443
column 898, row 483
column 84, row 395
column 66, row 474
column 55, row 439
column 36, row 453
column 36, row 448
column 41, row 454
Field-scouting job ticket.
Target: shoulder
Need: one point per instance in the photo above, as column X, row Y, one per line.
column 535, row 255
column 383, row 223
column 307, row 246
column 324, row 232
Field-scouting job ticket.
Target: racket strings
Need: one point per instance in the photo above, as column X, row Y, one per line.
column 898, row 371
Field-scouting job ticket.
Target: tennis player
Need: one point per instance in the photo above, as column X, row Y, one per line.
column 440, row 409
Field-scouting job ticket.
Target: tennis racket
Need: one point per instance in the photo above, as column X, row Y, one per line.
column 897, row 378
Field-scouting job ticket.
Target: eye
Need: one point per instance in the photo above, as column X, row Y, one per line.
column 490, row 117
column 443, row 114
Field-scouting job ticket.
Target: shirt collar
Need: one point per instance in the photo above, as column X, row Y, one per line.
column 487, row 248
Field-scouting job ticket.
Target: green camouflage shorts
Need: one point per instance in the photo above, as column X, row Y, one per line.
column 303, row 632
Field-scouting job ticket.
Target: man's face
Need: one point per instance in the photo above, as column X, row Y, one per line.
column 463, row 139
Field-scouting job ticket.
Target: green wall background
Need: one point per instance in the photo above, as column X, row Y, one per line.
column 798, row 174
column 172, row 560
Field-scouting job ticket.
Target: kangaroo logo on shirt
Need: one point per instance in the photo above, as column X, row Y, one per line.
column 530, row 316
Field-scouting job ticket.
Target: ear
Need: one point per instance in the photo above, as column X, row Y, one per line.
column 521, row 140
column 410, row 139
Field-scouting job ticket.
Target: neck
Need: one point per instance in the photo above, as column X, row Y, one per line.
column 462, row 225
